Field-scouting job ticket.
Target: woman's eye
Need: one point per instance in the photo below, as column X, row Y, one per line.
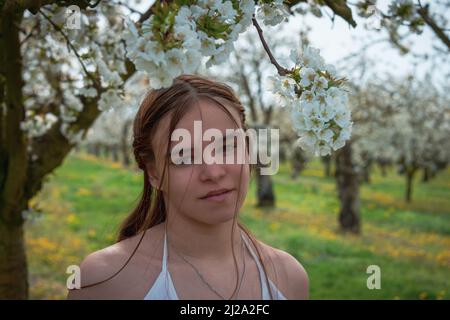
column 190, row 160
column 229, row 147
column 187, row 161
column 181, row 161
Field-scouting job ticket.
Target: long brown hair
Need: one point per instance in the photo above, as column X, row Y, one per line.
column 184, row 92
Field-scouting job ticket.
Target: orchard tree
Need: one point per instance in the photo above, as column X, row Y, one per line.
column 371, row 111
column 54, row 82
column 406, row 18
column 112, row 131
column 402, row 20
column 110, row 135
column 420, row 137
column 404, row 122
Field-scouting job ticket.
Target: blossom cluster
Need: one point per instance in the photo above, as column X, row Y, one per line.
column 318, row 102
column 405, row 11
column 174, row 39
column 37, row 125
column 272, row 13
column 99, row 48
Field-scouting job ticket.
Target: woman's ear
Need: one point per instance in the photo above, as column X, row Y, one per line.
column 153, row 176
column 154, row 181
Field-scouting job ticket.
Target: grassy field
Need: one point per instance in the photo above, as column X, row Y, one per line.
column 86, row 198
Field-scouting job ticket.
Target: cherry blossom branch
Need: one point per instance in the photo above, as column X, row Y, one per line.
column 281, row 71
column 34, row 5
column 423, row 12
column 339, row 7
column 120, row 3
column 146, row 14
column 30, row 34
column 57, row 28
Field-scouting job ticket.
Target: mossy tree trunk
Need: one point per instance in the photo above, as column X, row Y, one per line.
column 347, row 179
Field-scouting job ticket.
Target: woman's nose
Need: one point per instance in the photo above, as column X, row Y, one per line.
column 213, row 171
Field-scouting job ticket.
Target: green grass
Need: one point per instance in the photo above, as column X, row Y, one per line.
column 86, row 199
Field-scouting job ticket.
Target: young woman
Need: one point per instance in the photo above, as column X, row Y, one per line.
column 183, row 240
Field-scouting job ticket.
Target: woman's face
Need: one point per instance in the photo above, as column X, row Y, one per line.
column 189, row 183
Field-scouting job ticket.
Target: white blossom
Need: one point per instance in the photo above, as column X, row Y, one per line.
column 226, row 10
column 37, row 125
column 307, row 76
column 110, row 99
column 176, row 61
column 272, row 13
column 88, row 92
column 319, row 84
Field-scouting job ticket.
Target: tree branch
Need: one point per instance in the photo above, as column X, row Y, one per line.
column 57, row 28
column 423, row 12
column 339, row 7
column 30, row 34
column 34, row 5
column 49, row 158
column 146, row 14
column 246, row 86
column 281, row 71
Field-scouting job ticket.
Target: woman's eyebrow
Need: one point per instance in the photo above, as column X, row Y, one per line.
column 231, row 135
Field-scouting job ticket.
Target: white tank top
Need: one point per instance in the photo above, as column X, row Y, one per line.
column 163, row 288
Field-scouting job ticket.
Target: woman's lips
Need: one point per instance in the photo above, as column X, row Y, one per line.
column 218, row 197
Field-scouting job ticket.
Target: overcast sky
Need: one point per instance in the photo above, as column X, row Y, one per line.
column 339, row 40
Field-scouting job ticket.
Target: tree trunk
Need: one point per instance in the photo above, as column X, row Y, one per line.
column 124, row 143
column 366, row 171
column 89, row 149
column 13, row 262
column 383, row 170
column 426, row 175
column 326, row 160
column 125, row 157
column 21, row 179
column 265, row 195
column 298, row 162
column 13, row 159
column 96, row 149
column 264, row 185
column 347, row 180
column 383, row 164
column 105, row 151
column 410, row 172
column 282, row 153
column 115, row 152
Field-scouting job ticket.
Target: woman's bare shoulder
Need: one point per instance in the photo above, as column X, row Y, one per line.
column 102, row 264
column 287, row 270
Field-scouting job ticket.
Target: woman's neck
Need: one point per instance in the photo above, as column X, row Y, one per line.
column 201, row 241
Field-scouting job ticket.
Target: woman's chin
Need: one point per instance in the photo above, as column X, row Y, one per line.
column 217, row 217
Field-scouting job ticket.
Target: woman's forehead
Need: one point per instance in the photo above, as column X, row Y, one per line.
column 211, row 115
column 206, row 114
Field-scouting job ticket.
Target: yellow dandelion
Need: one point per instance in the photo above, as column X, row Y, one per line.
column 83, row 192
column 72, row 219
column 91, row 233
